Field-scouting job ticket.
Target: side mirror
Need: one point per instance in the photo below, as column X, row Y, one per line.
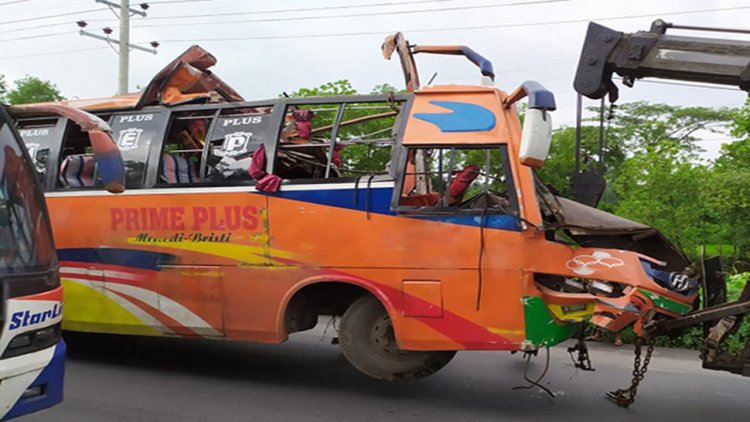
column 536, row 137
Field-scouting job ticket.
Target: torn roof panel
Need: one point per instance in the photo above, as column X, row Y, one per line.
column 185, row 79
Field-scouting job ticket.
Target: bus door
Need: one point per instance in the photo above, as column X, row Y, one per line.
column 186, row 297
column 189, row 284
column 456, row 171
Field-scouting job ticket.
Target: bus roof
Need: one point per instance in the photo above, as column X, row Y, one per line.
column 185, row 79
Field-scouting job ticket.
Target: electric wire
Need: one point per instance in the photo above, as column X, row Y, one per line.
column 691, row 85
column 446, row 29
column 13, row 2
column 53, row 53
column 30, row 37
column 58, row 15
column 303, row 9
column 157, row 25
column 353, row 15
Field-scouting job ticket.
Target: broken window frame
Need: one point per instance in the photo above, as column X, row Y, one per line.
column 223, row 111
column 399, row 103
column 442, row 207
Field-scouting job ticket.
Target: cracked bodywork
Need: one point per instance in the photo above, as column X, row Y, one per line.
column 628, row 269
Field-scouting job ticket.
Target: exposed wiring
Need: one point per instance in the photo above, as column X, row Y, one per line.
column 535, row 383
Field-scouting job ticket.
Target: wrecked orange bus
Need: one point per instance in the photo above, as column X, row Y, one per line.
column 416, row 218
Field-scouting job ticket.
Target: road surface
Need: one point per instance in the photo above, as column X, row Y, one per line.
column 114, row 378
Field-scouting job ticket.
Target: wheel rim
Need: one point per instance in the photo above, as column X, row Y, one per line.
column 383, row 339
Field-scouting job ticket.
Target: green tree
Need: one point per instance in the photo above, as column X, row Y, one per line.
column 31, row 89
column 653, row 169
column 729, row 189
column 340, row 87
column 3, row 89
column 560, row 163
column 663, row 182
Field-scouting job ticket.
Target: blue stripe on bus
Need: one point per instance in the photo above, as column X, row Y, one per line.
column 375, row 200
column 501, row 222
column 50, row 380
column 146, row 260
column 380, row 203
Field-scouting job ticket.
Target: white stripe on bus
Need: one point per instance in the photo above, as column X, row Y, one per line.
column 221, row 189
column 168, row 307
column 139, row 313
column 106, row 273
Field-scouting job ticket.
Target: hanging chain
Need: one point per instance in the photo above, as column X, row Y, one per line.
column 626, row 397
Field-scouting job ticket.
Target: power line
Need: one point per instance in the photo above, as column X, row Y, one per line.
column 461, row 28
column 80, row 12
column 123, row 11
column 306, row 9
column 28, row 28
column 30, row 37
column 51, row 25
column 689, row 85
column 513, row 69
column 13, row 2
column 357, row 15
column 52, row 53
column 177, row 1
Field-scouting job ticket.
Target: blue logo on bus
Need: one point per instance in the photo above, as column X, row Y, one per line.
column 464, row 117
column 22, row 319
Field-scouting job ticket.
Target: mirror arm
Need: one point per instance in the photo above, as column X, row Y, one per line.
column 539, row 96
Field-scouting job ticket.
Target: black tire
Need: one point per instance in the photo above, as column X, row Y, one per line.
column 369, row 344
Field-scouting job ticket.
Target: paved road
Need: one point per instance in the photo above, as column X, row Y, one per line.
column 112, row 378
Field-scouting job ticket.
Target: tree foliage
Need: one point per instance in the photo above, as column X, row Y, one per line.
column 29, row 89
column 655, row 173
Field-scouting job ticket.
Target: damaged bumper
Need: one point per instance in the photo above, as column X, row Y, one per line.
column 614, row 288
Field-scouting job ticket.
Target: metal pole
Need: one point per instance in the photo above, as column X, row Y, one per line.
column 124, row 50
column 601, row 137
column 579, row 116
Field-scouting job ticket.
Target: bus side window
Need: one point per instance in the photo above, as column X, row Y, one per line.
column 234, row 137
column 182, row 148
column 456, row 177
column 42, row 138
column 77, row 166
column 135, row 133
column 363, row 136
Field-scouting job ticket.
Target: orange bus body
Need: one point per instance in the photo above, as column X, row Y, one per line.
column 239, row 263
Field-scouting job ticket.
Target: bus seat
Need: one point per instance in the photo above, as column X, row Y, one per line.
column 458, row 186
column 177, row 169
column 77, row 171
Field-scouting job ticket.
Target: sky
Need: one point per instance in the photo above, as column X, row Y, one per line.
column 265, row 48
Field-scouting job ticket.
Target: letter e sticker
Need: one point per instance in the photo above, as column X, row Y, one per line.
column 129, row 138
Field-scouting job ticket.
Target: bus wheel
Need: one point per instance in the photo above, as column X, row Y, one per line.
column 369, row 344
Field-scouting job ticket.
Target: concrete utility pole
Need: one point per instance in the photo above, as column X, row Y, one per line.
column 124, row 66
column 123, row 45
